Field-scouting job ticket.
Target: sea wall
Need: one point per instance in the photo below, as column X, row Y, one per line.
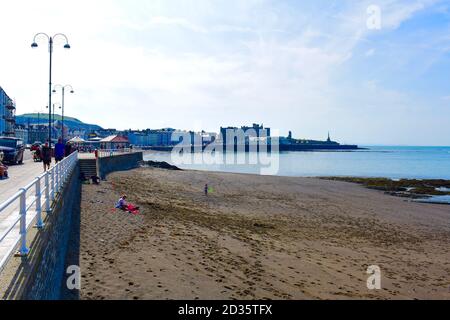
column 122, row 162
column 41, row 275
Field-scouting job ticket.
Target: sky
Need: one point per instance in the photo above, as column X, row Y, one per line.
column 370, row 72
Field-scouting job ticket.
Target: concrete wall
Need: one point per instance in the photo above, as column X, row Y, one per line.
column 123, row 162
column 41, row 276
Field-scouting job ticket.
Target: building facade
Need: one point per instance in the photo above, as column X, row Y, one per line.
column 151, row 138
column 37, row 133
column 242, row 136
column 7, row 115
column 114, row 142
column 21, row 132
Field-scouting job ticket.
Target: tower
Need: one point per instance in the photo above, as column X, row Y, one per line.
column 329, row 138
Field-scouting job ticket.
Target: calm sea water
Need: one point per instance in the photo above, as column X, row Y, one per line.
column 389, row 162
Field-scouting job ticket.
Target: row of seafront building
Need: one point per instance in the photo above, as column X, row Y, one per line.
column 167, row 137
column 37, row 131
column 170, row 137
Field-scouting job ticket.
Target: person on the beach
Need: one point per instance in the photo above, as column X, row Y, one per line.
column 46, row 155
column 95, row 180
column 59, row 151
column 206, row 189
column 122, row 203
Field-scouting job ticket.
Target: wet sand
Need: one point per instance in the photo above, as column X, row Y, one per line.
column 258, row 237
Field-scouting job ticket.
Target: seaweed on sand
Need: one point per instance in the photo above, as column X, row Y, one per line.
column 412, row 188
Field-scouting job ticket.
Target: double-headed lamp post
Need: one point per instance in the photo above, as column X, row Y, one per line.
column 50, row 50
column 63, row 89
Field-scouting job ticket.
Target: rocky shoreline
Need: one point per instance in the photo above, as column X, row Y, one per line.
column 159, row 165
column 404, row 188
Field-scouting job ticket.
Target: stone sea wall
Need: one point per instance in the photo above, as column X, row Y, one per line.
column 123, row 162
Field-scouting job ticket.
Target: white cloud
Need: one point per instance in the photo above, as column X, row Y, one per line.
column 396, row 12
column 178, row 63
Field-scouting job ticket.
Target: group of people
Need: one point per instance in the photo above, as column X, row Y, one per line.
column 45, row 153
column 85, row 149
column 95, row 179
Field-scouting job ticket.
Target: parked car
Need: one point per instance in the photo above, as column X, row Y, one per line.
column 13, row 150
column 1, row 156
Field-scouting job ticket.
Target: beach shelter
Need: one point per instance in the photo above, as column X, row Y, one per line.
column 115, row 142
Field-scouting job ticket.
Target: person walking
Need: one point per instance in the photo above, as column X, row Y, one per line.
column 46, row 154
column 67, row 149
column 59, row 151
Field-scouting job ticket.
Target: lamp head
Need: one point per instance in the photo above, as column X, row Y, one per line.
column 67, row 46
column 54, row 91
column 71, row 91
column 34, row 45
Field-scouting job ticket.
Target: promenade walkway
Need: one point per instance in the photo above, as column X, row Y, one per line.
column 20, row 176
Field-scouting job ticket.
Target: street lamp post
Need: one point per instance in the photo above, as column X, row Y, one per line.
column 53, row 118
column 50, row 49
column 63, row 89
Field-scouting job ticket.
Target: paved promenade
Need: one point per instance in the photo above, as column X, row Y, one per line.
column 19, row 176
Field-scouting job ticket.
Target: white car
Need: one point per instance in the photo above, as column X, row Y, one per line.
column 1, row 156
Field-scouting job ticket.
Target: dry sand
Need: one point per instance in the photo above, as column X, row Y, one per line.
column 258, row 237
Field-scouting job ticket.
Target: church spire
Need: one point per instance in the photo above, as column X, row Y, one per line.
column 329, row 138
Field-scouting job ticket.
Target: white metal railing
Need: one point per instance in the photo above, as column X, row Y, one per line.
column 109, row 152
column 115, row 152
column 38, row 194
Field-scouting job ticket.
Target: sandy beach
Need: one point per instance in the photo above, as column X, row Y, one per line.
column 257, row 237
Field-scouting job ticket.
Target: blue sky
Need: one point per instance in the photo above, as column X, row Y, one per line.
column 306, row 66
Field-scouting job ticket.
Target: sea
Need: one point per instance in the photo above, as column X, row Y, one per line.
column 377, row 161
column 394, row 162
